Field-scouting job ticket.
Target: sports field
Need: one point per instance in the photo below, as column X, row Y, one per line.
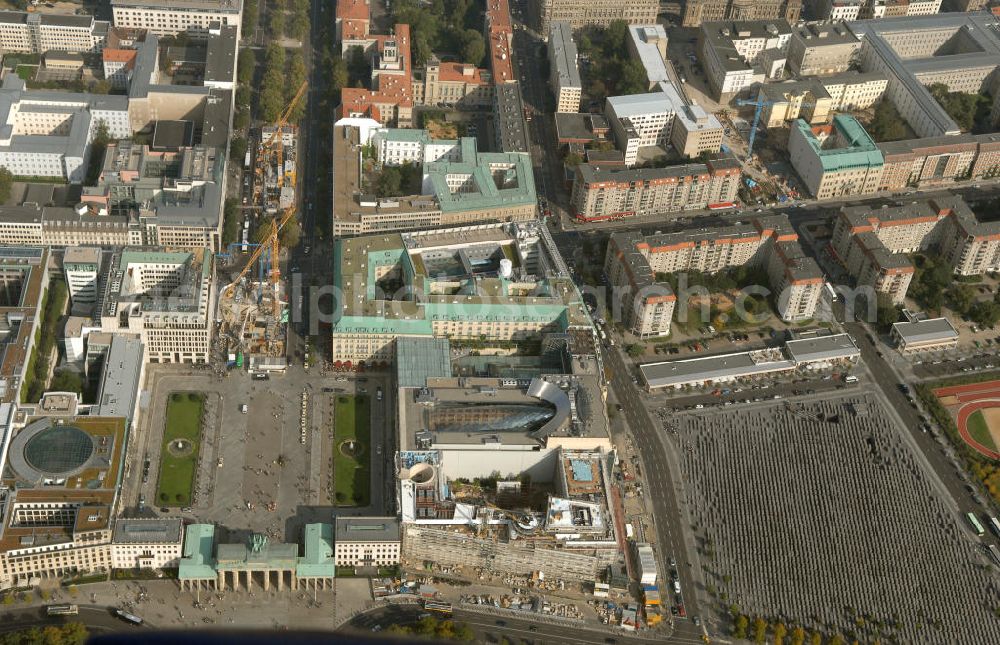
column 980, row 427
column 179, row 452
column 352, row 451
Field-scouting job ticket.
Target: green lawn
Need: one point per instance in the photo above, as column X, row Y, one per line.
column 351, row 475
column 177, row 473
column 979, row 430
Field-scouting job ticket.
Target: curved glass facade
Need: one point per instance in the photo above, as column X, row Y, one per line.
column 501, row 417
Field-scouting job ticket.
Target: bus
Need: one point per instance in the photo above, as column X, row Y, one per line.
column 438, row 606
column 830, row 291
column 994, row 553
column 995, row 526
column 127, row 617
column 62, row 610
column 974, row 522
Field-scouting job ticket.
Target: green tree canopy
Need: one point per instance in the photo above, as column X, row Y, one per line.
column 6, row 183
column 245, row 66
column 474, row 47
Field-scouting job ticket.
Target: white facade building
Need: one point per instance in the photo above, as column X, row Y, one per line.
column 367, row 541
column 170, row 17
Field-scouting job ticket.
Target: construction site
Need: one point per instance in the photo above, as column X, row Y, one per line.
column 253, row 307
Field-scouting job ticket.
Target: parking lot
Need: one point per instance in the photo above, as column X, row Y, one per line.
column 257, row 470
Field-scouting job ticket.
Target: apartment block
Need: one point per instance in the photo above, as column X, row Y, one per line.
column 601, row 193
column 172, row 17
column 836, row 159
column 352, row 23
column 873, row 244
column 564, row 73
column 39, row 33
column 599, row 13
column 697, row 12
column 820, row 49
column 737, row 54
column 633, row 262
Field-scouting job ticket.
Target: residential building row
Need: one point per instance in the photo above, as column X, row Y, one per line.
column 873, row 244
column 636, row 266
column 602, row 192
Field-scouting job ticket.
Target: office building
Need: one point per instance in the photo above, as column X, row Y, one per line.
column 698, row 12
column 564, row 73
column 57, row 520
column 499, row 32
column 390, row 101
column 820, row 49
column 166, row 298
column 636, row 265
column 146, row 543
column 24, row 278
column 498, row 282
column 598, row 13
column 834, row 10
column 873, row 244
column 642, row 120
column 816, row 99
column 367, row 541
column 918, row 333
column 172, row 17
column 737, row 54
column 608, row 192
column 851, row 91
column 48, row 134
column 960, row 50
column 39, row 33
column 836, row 159
column 452, row 85
column 460, row 185
column 648, row 44
column 939, row 161
column 82, row 268
column 806, row 353
column 695, row 131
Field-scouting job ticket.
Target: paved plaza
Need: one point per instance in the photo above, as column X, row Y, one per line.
column 819, row 512
column 254, row 473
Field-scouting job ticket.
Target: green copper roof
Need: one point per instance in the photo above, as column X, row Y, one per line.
column 860, row 151
column 318, row 560
column 196, row 561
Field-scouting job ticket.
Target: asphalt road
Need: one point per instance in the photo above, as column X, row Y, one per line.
column 660, row 489
column 489, row 628
column 950, row 472
column 98, row 620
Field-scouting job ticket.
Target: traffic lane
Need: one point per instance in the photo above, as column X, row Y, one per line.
column 97, row 619
column 660, row 485
column 489, row 628
column 954, row 367
column 888, row 381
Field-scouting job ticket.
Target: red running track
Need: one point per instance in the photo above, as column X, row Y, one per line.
column 973, row 397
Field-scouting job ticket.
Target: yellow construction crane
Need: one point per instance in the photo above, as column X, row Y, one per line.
column 268, row 243
column 276, row 139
